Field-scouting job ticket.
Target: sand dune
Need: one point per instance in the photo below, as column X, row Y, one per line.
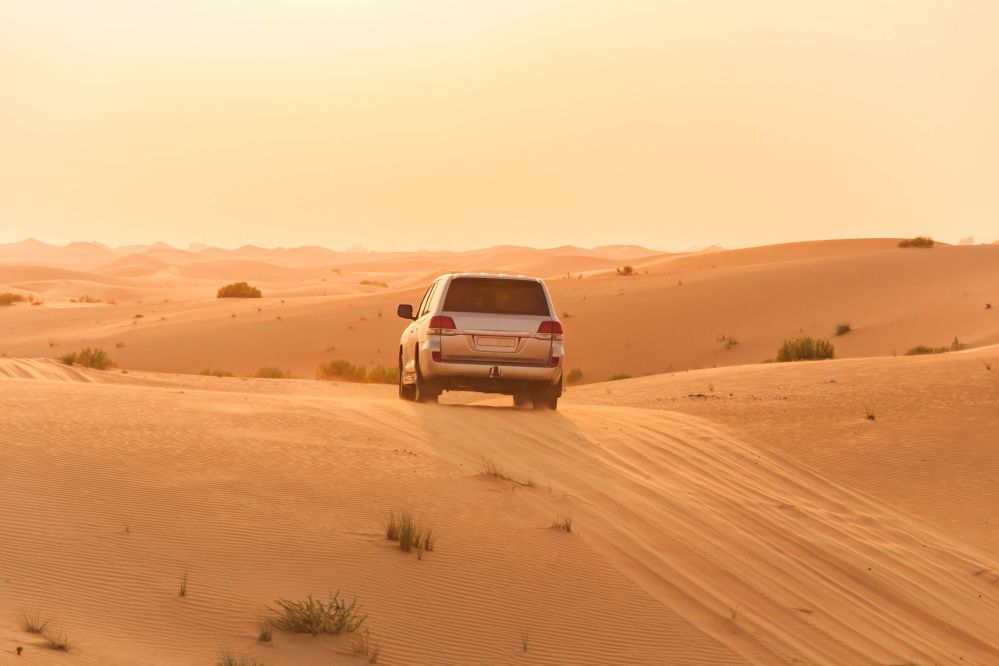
column 696, row 538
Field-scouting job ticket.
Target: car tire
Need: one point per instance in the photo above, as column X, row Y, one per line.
column 522, row 399
column 406, row 391
column 545, row 399
column 421, row 391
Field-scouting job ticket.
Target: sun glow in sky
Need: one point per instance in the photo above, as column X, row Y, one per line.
column 452, row 125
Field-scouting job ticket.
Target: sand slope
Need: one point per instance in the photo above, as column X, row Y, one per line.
column 696, row 540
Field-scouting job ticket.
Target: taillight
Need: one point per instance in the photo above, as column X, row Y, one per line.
column 550, row 330
column 441, row 325
column 553, row 363
column 436, row 356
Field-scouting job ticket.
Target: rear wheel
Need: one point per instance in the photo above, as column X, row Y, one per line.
column 546, row 398
column 421, row 390
column 406, row 391
column 521, row 399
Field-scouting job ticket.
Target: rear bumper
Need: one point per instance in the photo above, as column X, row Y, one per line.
column 490, row 378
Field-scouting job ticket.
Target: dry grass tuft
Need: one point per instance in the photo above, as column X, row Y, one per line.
column 410, row 533
column 230, row 659
column 272, row 372
column 843, row 328
column 574, row 375
column 563, row 523
column 215, row 372
column 314, row 616
column 365, row 647
column 264, row 632
column 9, row 298
column 33, row 624
column 58, row 642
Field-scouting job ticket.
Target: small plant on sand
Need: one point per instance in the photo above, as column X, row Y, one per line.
column 804, row 348
column 843, row 328
column 58, row 642
column 341, row 370
column 491, row 469
column 383, row 374
column 574, row 375
column 183, row 586
column 272, row 372
column 918, row 241
column 97, row 359
column 314, row 616
column 402, row 527
column 870, row 413
column 264, row 632
column 373, row 283
column 364, row 646
column 230, row 659
column 525, row 639
column 626, row 271
column 238, row 290
column 563, row 523
column 729, row 340
column 618, row 377
column 33, row 624
column 215, row 372
column 919, row 350
column 9, row 298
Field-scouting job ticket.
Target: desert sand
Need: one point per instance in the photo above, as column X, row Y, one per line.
column 724, row 511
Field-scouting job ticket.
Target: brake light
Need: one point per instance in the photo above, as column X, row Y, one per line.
column 441, row 325
column 550, row 330
column 436, row 356
column 553, row 363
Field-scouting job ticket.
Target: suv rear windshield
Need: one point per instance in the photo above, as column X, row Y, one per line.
column 497, row 296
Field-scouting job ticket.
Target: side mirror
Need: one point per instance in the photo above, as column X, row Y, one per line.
column 405, row 311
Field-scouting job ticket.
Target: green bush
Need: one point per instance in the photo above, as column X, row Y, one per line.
column 97, row 359
column 918, row 241
column 238, row 290
column 805, row 348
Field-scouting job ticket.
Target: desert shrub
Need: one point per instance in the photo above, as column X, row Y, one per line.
column 264, row 633
column 384, row 374
column 215, row 372
column 238, row 290
column 804, row 348
column 33, row 624
column 410, row 533
column 919, row 350
column 563, row 523
column 9, row 298
column 843, row 328
column 313, row 616
column 97, row 359
column 618, row 377
column 342, row 370
column 575, row 375
column 58, row 642
column 230, row 659
column 626, row 271
column 271, row 372
column 374, row 283
column 918, row 241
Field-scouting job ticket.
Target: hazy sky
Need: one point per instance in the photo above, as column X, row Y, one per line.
column 456, row 124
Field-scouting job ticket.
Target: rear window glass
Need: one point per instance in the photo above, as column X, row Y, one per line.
column 514, row 297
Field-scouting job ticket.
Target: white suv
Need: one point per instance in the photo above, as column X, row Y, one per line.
column 483, row 332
